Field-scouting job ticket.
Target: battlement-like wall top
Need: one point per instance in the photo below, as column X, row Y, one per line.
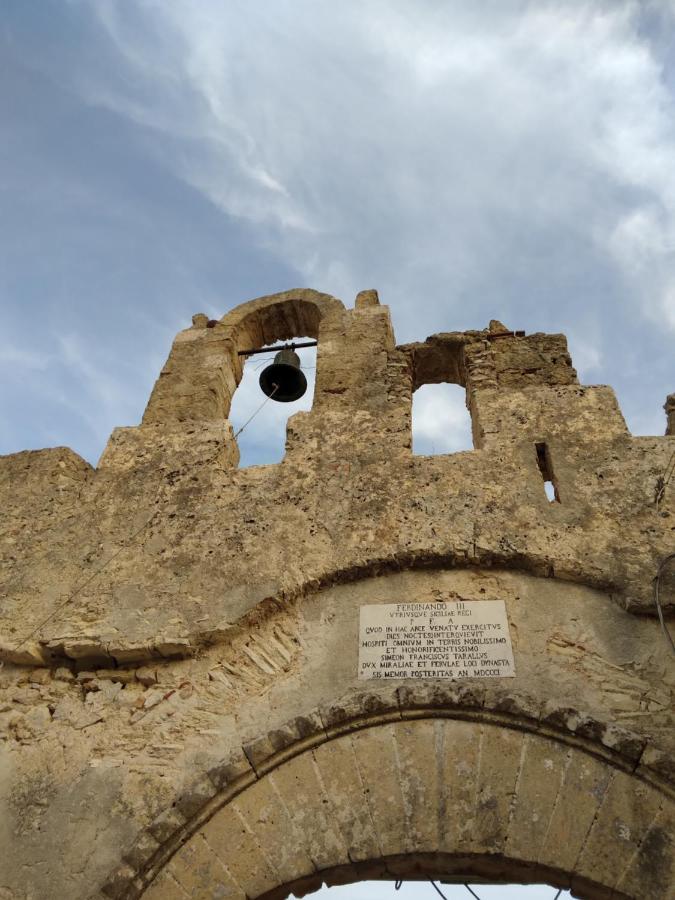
column 167, row 544
column 177, row 634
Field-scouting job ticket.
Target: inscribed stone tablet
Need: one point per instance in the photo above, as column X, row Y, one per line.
column 453, row 639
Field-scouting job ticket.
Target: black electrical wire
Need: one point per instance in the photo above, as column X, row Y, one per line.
column 472, row 892
column 397, row 886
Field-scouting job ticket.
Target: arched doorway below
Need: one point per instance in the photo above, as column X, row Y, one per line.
column 424, row 798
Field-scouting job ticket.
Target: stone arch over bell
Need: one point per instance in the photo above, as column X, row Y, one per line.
column 204, row 367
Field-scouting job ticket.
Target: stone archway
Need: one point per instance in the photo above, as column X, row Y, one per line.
column 203, row 368
column 182, row 640
column 422, row 796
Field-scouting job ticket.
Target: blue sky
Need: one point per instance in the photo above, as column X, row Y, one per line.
column 158, row 158
column 423, row 890
column 505, row 160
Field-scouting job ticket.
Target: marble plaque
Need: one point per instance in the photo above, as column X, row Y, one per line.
column 452, row 639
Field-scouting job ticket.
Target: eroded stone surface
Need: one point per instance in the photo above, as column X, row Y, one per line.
column 211, row 644
column 483, row 801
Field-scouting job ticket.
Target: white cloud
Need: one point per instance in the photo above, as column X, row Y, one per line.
column 587, row 355
column 102, row 399
column 668, row 303
column 16, row 357
column 440, row 420
column 471, row 161
column 432, row 138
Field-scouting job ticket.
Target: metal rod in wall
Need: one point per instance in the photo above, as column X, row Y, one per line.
column 278, row 347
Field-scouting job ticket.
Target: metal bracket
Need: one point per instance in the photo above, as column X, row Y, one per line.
column 277, row 348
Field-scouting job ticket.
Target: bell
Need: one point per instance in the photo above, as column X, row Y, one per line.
column 284, row 379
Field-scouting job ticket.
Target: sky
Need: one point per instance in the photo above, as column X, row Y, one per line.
column 423, row 890
column 159, row 158
column 503, row 159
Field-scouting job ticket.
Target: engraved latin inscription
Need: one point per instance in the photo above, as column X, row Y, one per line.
column 453, row 639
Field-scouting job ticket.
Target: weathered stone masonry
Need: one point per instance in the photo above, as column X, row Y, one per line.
column 179, row 636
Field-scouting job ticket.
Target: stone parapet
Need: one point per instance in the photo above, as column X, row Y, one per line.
column 183, row 711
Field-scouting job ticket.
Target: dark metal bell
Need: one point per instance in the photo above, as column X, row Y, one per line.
column 284, row 380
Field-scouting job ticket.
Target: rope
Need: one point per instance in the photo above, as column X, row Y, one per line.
column 663, row 480
column 664, row 627
column 662, row 483
column 250, row 419
column 80, row 587
column 473, row 893
column 83, row 584
column 264, row 362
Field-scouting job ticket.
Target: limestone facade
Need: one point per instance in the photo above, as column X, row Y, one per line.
column 180, row 712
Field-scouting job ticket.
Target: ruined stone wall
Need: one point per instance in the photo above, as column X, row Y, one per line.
column 169, row 622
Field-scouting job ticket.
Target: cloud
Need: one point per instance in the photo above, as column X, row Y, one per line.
column 11, row 357
column 435, row 136
column 472, row 161
column 440, row 420
column 101, row 378
column 81, row 388
column 587, row 357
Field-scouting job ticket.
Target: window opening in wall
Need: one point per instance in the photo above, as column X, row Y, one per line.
column 424, row 890
column 440, row 420
column 546, row 469
column 550, row 491
column 263, row 439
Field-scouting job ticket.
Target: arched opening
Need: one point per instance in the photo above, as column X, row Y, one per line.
column 545, row 464
column 441, row 422
column 294, row 317
column 259, row 422
column 430, row 888
column 204, row 367
column 426, row 796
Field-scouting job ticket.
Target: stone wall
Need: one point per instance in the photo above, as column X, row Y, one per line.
column 168, row 621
